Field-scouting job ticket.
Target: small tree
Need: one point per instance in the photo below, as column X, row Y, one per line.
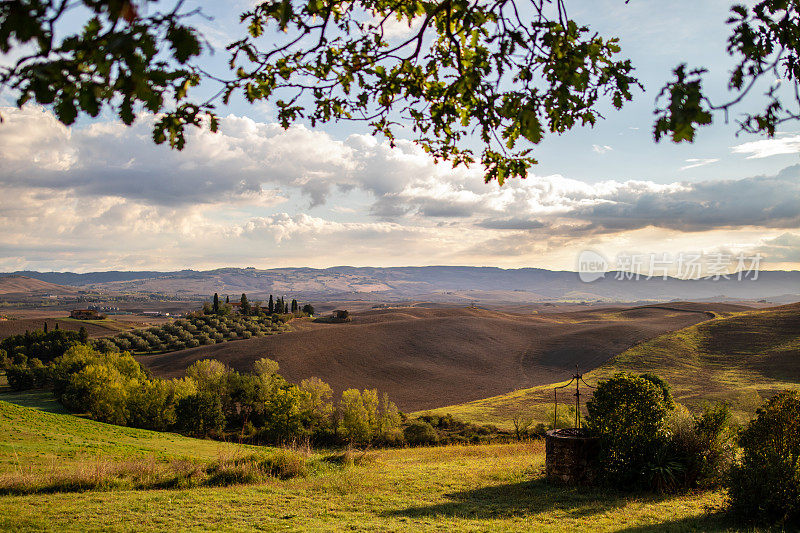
column 354, row 417
column 388, row 420
column 308, row 309
column 245, row 305
column 765, row 486
column 200, row 414
column 315, row 403
column 271, row 305
column 628, row 414
column 522, row 424
column 284, row 419
column 83, row 335
column 294, row 306
column 215, row 305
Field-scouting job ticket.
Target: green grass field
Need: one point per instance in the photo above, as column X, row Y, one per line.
column 469, row 488
column 35, row 431
column 740, row 358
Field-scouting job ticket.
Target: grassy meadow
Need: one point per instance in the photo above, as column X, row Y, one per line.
column 472, row 488
column 51, row 461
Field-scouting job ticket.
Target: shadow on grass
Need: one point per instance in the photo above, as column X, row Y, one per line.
column 537, row 496
column 713, row 520
column 522, row 499
column 43, row 400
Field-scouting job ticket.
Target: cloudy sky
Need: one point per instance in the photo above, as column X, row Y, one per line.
column 99, row 195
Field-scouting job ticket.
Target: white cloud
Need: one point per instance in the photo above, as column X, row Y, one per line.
column 769, row 147
column 694, row 163
column 103, row 196
column 601, row 149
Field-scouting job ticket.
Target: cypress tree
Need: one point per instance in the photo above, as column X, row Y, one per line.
column 245, row 305
column 227, row 299
column 45, row 326
column 56, row 326
column 83, row 335
column 215, row 307
column 294, row 306
column 271, row 305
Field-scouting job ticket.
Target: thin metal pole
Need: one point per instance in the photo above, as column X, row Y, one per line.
column 577, row 399
column 555, row 408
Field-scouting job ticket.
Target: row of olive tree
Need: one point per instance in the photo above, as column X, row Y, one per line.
column 647, row 441
column 216, row 401
column 191, row 332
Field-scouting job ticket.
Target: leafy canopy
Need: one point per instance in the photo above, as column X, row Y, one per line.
column 501, row 71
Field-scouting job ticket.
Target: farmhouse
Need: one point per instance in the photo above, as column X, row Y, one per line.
column 84, row 314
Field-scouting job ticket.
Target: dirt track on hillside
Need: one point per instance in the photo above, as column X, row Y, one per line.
column 427, row 358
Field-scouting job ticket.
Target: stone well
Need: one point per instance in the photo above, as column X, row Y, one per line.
column 570, row 456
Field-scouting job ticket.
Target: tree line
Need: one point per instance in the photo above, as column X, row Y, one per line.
column 215, row 401
column 275, row 306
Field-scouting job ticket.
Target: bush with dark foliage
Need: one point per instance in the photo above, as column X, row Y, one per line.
column 628, row 415
column 420, row 433
column 765, row 486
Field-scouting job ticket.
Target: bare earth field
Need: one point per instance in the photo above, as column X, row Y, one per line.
column 96, row 328
column 741, row 358
column 427, row 358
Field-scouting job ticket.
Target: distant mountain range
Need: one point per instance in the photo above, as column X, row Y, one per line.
column 456, row 284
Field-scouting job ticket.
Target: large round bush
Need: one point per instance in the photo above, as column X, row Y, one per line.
column 765, row 485
column 420, row 432
column 628, row 415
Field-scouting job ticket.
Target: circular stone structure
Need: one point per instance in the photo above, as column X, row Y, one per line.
column 570, row 455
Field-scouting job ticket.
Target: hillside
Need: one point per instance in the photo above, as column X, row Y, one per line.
column 453, row 284
column 95, row 328
column 22, row 285
column 742, row 358
column 465, row 488
column 427, row 358
column 40, row 433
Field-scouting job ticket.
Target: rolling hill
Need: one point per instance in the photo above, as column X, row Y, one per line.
column 35, row 431
column 427, row 358
column 453, row 284
column 741, row 358
column 23, row 285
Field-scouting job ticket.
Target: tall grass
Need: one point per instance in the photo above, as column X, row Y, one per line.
column 230, row 468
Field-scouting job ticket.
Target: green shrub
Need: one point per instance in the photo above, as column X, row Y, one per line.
column 698, row 452
column 20, row 377
column 104, row 346
column 123, row 344
column 419, row 433
column 765, row 486
column 200, row 414
column 285, row 464
column 628, row 415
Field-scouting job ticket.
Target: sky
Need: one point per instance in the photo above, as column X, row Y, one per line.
column 101, row 196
